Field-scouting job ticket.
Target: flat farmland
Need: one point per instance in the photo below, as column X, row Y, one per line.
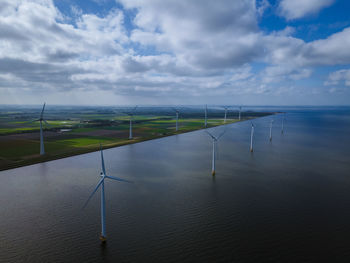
column 77, row 130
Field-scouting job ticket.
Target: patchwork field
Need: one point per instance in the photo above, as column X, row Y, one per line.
column 77, row 130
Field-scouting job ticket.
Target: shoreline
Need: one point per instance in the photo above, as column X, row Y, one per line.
column 48, row 157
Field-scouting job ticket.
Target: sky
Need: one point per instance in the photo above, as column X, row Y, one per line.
column 157, row 52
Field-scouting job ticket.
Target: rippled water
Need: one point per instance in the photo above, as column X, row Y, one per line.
column 289, row 201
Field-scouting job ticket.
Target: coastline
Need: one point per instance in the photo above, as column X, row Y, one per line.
column 48, row 157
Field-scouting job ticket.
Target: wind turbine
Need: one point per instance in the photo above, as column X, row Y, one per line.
column 239, row 112
column 101, row 183
column 41, row 120
column 284, row 117
column 215, row 140
column 271, row 130
column 177, row 117
column 251, row 138
column 226, row 108
column 131, row 115
column 205, row 116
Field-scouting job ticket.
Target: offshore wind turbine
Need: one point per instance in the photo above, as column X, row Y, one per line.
column 41, row 120
column 283, row 119
column 101, row 183
column 239, row 112
column 271, row 130
column 251, row 137
column 215, row 141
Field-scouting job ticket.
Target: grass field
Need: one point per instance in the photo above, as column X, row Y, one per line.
column 72, row 132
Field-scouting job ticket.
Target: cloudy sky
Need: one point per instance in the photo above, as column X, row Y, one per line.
column 113, row 52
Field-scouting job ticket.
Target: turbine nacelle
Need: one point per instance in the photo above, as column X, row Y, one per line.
column 101, row 184
column 215, row 140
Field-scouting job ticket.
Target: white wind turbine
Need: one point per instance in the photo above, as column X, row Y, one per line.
column 239, row 112
column 177, row 111
column 205, row 115
column 251, row 138
column 226, row 108
column 283, row 119
column 102, row 184
column 271, row 130
column 41, row 120
column 215, row 141
column 131, row 115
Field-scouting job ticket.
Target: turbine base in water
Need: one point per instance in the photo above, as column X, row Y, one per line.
column 103, row 239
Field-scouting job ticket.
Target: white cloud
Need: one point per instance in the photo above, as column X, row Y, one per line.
column 294, row 9
column 175, row 47
column 283, row 72
column 337, row 77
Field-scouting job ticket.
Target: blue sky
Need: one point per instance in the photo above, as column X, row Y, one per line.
column 107, row 52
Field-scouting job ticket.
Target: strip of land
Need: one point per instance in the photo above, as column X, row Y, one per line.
column 77, row 132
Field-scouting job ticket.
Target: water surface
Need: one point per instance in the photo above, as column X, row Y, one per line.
column 289, row 201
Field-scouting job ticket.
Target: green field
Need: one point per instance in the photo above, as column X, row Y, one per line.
column 71, row 132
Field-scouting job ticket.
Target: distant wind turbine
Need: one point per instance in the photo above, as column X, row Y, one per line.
column 215, row 141
column 239, row 112
column 283, row 119
column 205, row 115
column 271, row 130
column 226, row 108
column 251, row 138
column 131, row 115
column 102, row 184
column 177, row 118
column 41, row 120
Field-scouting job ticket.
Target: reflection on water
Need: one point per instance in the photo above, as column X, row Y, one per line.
column 287, row 201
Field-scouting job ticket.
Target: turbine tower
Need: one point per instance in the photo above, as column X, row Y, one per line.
column 239, row 112
column 215, row 141
column 226, row 108
column 283, row 119
column 131, row 115
column 205, row 115
column 271, row 130
column 251, row 138
column 101, row 183
column 41, row 120
column 177, row 111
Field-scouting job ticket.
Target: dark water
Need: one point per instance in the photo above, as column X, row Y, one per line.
column 289, row 201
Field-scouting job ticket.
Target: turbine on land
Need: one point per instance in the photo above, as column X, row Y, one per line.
column 101, row 184
column 177, row 111
column 271, row 130
column 239, row 112
column 205, row 115
column 251, row 138
column 41, row 120
column 226, row 108
column 215, row 141
column 131, row 115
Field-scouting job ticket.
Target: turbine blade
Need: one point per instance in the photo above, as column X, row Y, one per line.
column 102, row 161
column 42, row 111
column 33, row 121
column 46, row 122
column 212, row 136
column 118, row 179
column 91, row 195
column 222, row 133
